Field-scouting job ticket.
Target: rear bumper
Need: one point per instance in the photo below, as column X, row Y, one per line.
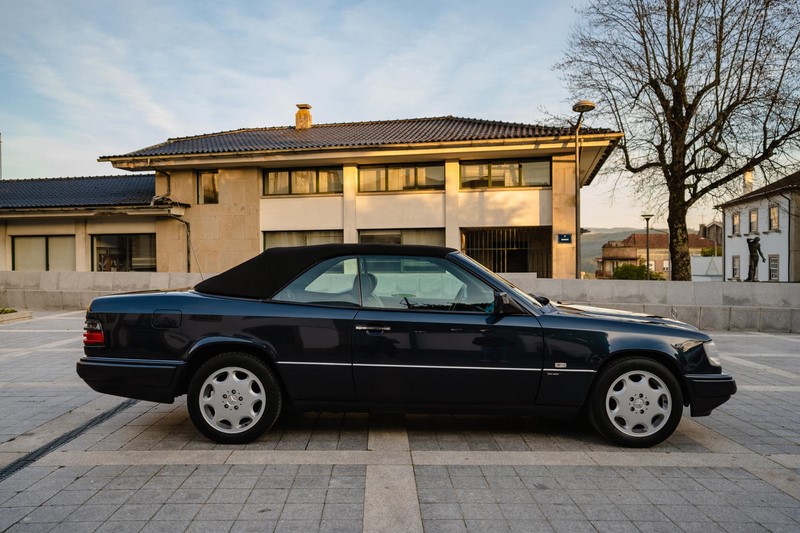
column 708, row 391
column 141, row 379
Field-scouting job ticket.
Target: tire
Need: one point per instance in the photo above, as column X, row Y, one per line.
column 234, row 398
column 636, row 402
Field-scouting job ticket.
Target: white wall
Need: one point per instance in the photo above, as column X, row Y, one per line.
column 301, row 213
column 706, row 268
column 518, row 207
column 400, row 211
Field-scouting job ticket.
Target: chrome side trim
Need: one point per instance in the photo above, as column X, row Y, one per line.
column 569, row 370
column 449, row 367
column 129, row 361
column 438, row 367
column 313, row 363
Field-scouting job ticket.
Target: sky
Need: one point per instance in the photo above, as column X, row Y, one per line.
column 87, row 78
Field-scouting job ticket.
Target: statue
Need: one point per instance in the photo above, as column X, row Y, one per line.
column 754, row 246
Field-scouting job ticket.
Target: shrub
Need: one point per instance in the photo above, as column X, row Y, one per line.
column 636, row 272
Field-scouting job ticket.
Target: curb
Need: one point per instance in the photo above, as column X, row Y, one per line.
column 13, row 317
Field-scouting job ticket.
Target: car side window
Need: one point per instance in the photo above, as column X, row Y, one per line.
column 331, row 282
column 421, row 283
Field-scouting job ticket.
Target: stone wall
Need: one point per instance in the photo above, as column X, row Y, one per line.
column 75, row 290
column 708, row 305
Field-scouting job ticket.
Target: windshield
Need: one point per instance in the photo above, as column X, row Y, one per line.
column 516, row 291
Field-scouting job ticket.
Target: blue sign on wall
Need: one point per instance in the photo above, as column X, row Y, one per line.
column 565, row 238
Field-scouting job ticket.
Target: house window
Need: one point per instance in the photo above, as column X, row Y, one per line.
column 124, row 253
column 753, row 221
column 208, row 187
column 773, row 267
column 432, row 237
column 303, row 181
column 735, row 223
column 43, row 253
column 494, row 174
column 384, row 178
column 735, row 264
column 773, row 217
column 665, row 265
column 274, row 239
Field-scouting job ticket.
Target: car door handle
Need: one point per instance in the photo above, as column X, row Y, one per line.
column 372, row 329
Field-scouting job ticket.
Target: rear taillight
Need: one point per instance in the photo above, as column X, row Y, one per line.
column 93, row 333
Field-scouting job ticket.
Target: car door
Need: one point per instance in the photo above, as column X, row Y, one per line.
column 426, row 335
column 311, row 331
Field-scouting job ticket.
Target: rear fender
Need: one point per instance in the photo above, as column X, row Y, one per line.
column 208, row 347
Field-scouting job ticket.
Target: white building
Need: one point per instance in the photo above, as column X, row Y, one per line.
column 769, row 213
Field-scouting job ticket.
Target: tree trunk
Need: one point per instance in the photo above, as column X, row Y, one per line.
column 681, row 267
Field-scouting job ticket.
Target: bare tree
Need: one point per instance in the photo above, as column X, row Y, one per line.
column 703, row 89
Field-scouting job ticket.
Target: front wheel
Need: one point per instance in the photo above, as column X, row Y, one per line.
column 636, row 402
column 233, row 398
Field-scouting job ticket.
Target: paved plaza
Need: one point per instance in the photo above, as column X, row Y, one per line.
column 145, row 467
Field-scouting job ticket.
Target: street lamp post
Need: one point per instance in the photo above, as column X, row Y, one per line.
column 647, row 257
column 580, row 107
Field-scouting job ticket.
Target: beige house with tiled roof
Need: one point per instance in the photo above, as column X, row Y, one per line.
column 633, row 251
column 502, row 192
column 90, row 223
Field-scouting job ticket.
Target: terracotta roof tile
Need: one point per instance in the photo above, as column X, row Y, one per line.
column 661, row 241
column 352, row 134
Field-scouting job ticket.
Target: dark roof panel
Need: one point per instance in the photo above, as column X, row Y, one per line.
column 91, row 191
column 353, row 134
column 262, row 276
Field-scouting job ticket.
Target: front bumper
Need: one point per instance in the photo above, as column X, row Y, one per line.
column 142, row 379
column 708, row 391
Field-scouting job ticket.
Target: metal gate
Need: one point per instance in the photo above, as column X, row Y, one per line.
column 521, row 249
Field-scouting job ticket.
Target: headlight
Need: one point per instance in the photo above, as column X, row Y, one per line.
column 712, row 353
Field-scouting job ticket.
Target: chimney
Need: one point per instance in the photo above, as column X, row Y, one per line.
column 302, row 119
column 747, row 185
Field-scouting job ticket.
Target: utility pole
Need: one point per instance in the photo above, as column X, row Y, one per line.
column 580, row 107
column 647, row 258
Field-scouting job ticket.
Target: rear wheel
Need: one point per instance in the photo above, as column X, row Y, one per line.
column 233, row 398
column 636, row 402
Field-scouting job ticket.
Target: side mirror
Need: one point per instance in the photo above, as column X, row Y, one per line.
column 504, row 305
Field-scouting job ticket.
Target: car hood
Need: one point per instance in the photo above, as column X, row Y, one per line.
column 616, row 314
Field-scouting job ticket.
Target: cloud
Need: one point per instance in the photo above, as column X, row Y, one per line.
column 86, row 78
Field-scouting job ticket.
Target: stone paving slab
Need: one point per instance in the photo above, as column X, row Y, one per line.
column 147, row 469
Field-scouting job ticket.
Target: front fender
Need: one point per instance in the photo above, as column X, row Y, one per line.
column 578, row 347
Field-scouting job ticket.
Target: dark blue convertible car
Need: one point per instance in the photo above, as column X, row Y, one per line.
column 394, row 328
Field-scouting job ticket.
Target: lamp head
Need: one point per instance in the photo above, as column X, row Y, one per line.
column 583, row 106
column 647, row 217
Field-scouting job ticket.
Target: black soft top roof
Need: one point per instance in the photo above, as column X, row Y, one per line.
column 266, row 273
